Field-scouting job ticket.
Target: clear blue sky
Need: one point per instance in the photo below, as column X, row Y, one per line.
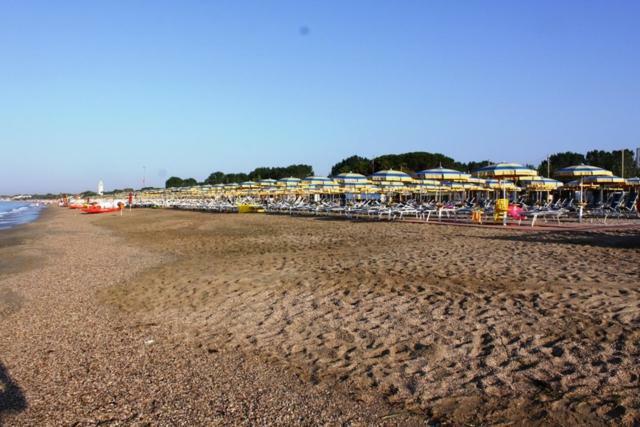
column 92, row 90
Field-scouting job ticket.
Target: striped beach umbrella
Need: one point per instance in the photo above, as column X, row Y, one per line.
column 351, row 178
column 249, row 184
column 582, row 171
column 478, row 181
column 289, row 182
column 578, row 171
column 505, row 170
column 432, row 182
column 443, row 174
column 390, row 186
column 576, row 183
column 539, row 183
column 495, row 184
column 633, row 182
column 390, row 175
column 318, row 180
column 268, row 182
column 604, row 180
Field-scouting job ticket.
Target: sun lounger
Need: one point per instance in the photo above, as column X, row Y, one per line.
column 554, row 214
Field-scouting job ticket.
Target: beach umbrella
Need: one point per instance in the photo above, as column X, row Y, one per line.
column 249, row 184
column 478, row 181
column 539, row 183
column 582, row 171
column 604, row 180
column 390, row 175
column 320, row 184
column 318, row 181
column 353, row 182
column 610, row 182
column 495, row 184
column 633, row 182
column 289, row 182
column 351, row 178
column 267, row 182
column 218, row 187
column 390, row 186
column 502, row 171
column 431, row 182
column 578, row 171
column 505, row 171
column 576, row 184
column 443, row 174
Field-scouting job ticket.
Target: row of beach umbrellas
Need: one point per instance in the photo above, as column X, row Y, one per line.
column 501, row 176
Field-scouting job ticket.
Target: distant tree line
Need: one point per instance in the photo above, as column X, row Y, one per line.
column 416, row 161
column 408, row 162
column 296, row 171
column 610, row 160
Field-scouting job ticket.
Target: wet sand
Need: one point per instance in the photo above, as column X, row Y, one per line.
column 256, row 317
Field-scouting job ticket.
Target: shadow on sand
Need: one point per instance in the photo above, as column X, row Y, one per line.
column 11, row 397
column 629, row 240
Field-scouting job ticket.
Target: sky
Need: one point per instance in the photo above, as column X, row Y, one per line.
column 126, row 90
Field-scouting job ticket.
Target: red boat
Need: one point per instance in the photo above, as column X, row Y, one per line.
column 75, row 206
column 96, row 209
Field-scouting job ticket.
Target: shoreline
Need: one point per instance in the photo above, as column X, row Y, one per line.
column 40, row 212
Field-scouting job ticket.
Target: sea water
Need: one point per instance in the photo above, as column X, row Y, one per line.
column 15, row 213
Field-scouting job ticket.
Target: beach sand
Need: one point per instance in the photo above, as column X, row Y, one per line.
column 205, row 318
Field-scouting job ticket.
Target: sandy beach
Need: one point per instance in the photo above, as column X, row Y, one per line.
column 173, row 317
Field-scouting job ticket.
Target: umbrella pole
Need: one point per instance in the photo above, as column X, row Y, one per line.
column 581, row 200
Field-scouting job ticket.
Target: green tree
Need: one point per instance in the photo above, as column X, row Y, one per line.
column 174, row 181
column 474, row 166
column 296, row 171
column 559, row 161
column 215, row 178
column 355, row 164
column 612, row 160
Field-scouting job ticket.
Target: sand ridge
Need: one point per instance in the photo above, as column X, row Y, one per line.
column 458, row 325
